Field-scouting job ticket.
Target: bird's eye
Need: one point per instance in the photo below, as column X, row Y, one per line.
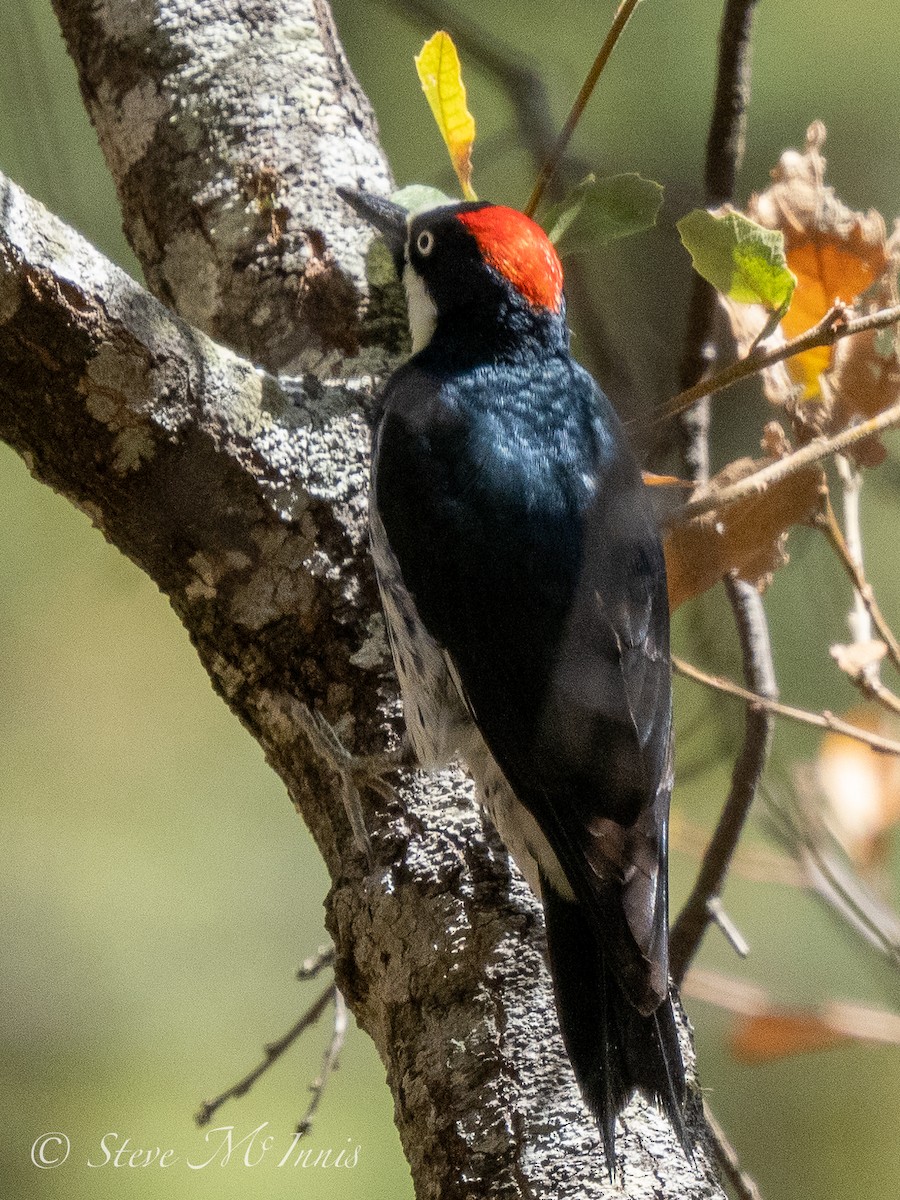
column 425, row 242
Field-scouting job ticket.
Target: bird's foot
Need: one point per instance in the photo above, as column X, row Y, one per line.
column 356, row 772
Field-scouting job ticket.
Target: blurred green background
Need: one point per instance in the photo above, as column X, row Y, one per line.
column 158, row 891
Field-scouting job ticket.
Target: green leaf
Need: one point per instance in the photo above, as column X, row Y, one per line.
column 739, row 258
column 417, row 197
column 380, row 269
column 599, row 211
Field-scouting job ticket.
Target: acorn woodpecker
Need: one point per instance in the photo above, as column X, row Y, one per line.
column 524, row 591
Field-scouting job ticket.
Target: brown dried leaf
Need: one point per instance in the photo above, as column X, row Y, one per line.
column 748, row 538
column 775, row 441
column 837, row 255
column 857, row 657
column 834, row 252
column 747, row 324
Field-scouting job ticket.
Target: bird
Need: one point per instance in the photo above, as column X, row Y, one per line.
column 523, row 585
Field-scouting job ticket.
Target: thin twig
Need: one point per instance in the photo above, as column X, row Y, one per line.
column 329, row 1062
column 813, row 452
column 823, row 720
column 873, row 689
column 744, row 1187
column 826, row 521
column 696, row 915
column 620, row 20
column 316, row 963
column 729, row 929
column 859, row 620
column 834, row 326
column 723, row 153
column 273, row 1051
column 863, row 668
column 829, row 876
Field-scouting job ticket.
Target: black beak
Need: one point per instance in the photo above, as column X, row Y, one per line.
column 388, row 218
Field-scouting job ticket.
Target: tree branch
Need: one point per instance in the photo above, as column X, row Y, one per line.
column 823, row 720
column 723, row 152
column 214, row 119
column 835, row 325
column 815, row 451
column 699, row 909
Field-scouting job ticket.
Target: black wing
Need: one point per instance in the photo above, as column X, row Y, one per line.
column 523, row 532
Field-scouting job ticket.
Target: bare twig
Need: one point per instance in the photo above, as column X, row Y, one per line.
column 329, row 1062
column 859, row 619
column 866, row 671
column 695, row 917
column 723, row 152
column 273, row 1051
column 726, row 1156
column 826, row 521
column 873, row 689
column 832, row 878
column 823, row 720
column 729, row 929
column 620, row 20
column 316, row 963
column 835, row 325
column 813, row 452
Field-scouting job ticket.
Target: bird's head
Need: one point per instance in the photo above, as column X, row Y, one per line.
column 482, row 270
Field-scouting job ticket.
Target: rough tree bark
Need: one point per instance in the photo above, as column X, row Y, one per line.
column 226, row 127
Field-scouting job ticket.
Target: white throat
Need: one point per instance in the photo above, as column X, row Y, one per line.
column 421, row 308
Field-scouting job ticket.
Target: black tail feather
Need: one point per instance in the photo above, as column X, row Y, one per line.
column 614, row 1049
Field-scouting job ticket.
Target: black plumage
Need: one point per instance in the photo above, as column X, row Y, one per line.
column 525, row 596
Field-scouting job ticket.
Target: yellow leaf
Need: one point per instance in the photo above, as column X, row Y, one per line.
column 441, row 77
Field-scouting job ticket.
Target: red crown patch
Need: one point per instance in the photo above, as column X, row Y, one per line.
column 519, row 249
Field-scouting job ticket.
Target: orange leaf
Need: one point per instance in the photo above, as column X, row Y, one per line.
column 861, row 788
column 827, row 270
column 835, row 253
column 766, row 1037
